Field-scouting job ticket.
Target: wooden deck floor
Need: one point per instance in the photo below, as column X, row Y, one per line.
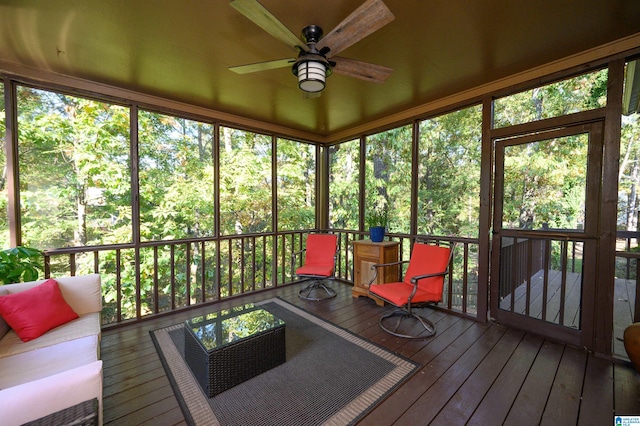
column 472, row 373
column 623, row 303
column 624, row 298
column 550, row 309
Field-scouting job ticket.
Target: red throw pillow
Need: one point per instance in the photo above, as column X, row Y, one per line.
column 33, row 312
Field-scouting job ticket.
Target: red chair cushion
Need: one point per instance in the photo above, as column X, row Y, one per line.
column 323, row 271
column 319, row 258
column 321, row 248
column 425, row 259
column 398, row 293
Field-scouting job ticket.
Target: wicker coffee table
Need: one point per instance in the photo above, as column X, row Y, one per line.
column 226, row 348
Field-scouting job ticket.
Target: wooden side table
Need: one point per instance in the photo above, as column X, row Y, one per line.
column 367, row 253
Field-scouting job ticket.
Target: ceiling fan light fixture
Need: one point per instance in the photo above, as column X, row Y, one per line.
column 311, row 76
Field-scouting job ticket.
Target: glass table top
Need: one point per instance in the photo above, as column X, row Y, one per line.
column 218, row 329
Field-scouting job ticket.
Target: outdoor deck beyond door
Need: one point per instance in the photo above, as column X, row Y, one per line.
column 545, row 270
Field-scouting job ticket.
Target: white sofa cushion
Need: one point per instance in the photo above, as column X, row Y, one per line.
column 43, row 362
column 83, row 292
column 39, row 398
column 86, row 325
column 58, row 369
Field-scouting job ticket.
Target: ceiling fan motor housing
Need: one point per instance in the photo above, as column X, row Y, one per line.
column 312, row 34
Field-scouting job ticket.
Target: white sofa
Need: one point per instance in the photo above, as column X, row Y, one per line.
column 59, row 369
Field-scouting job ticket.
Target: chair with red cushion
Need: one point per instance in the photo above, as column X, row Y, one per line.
column 423, row 284
column 319, row 265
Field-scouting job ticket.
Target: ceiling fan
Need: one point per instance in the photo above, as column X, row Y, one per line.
column 316, row 59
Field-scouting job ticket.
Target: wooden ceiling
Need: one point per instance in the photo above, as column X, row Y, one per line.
column 181, row 50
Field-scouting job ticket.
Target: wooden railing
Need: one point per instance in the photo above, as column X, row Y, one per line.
column 154, row 278
column 628, row 269
column 542, row 277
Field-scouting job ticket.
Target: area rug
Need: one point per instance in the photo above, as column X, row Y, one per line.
column 331, row 376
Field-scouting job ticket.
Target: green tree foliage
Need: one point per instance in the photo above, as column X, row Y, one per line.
column 388, row 176
column 545, row 184
column 629, row 173
column 74, row 170
column 177, row 192
column 344, row 187
column 176, row 177
column 20, row 264
column 629, row 170
column 246, row 191
column 296, row 185
column 4, row 219
column 581, row 93
column 245, row 182
column 449, row 173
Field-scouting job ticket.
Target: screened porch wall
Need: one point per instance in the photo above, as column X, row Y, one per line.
column 145, row 276
column 135, row 284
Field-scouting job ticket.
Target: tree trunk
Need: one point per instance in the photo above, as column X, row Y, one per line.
column 632, row 214
column 81, row 230
column 226, row 138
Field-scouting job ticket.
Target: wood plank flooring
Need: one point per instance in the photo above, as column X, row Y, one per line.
column 624, row 298
column 472, row 373
column 623, row 303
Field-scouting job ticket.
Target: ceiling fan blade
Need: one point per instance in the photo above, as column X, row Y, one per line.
column 368, row 18
column 263, row 66
column 260, row 16
column 362, row 70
